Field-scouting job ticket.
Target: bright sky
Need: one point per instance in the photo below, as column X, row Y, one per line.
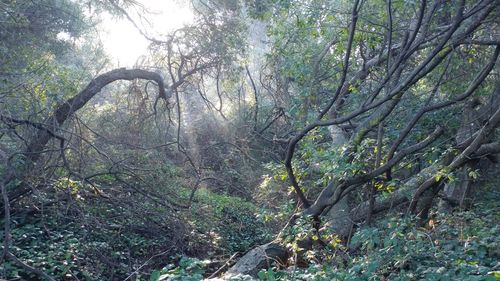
column 123, row 42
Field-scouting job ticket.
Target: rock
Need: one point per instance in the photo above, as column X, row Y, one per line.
column 258, row 258
column 338, row 218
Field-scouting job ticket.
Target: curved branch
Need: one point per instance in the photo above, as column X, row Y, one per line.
column 293, row 142
column 335, row 190
column 462, row 158
column 70, row 106
column 65, row 110
column 487, row 149
column 470, row 90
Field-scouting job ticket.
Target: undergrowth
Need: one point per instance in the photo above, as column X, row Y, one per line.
column 463, row 245
column 84, row 237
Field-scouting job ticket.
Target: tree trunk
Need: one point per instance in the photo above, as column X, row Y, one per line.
column 338, row 218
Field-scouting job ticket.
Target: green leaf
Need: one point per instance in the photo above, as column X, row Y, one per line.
column 155, row 276
column 438, row 177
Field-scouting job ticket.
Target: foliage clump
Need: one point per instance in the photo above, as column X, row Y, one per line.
column 458, row 246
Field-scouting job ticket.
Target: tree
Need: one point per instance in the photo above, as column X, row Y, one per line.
column 383, row 76
column 362, row 100
column 49, row 140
